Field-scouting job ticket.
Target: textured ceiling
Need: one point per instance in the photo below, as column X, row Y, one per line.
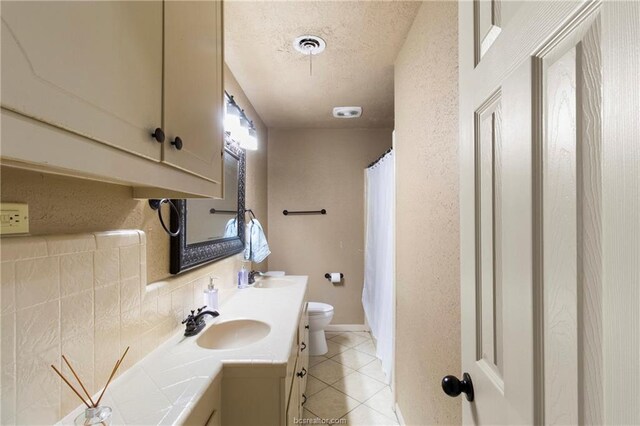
column 356, row 68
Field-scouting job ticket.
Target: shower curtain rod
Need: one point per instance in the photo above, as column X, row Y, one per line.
column 380, row 158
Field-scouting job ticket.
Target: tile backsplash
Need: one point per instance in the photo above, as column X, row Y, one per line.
column 84, row 296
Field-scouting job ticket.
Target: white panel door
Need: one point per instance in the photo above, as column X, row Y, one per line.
column 544, row 265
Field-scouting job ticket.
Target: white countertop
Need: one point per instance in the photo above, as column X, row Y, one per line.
column 163, row 387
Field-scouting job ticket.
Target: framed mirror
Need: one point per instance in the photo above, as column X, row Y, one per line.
column 211, row 229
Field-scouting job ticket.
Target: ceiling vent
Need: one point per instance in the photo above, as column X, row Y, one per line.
column 309, row 44
column 347, row 112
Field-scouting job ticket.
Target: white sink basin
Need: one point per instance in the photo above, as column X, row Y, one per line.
column 233, row 334
column 274, row 283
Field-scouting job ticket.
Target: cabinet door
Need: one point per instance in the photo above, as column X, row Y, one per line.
column 193, row 87
column 304, row 349
column 301, row 383
column 92, row 68
column 293, row 406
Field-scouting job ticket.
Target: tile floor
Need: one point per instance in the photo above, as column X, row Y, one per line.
column 348, row 383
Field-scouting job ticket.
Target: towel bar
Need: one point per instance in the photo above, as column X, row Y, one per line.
column 214, row 211
column 287, row 212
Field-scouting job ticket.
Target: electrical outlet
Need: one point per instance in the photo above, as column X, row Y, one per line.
column 14, row 218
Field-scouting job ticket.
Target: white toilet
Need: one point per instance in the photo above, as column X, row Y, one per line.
column 320, row 315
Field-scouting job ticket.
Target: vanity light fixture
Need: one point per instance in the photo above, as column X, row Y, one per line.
column 237, row 124
column 347, row 112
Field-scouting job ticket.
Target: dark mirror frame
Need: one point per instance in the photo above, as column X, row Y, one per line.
column 187, row 256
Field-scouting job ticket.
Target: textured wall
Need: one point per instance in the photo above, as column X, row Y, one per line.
column 62, row 205
column 427, row 221
column 312, row 169
column 256, row 188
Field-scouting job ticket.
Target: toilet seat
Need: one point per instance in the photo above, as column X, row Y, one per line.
column 319, row 309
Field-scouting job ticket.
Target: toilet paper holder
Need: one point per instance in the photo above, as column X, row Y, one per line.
column 328, row 276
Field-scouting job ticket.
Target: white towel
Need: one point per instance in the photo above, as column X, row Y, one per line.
column 231, row 228
column 256, row 248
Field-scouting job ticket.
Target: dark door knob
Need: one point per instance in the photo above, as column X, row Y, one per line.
column 177, row 143
column 452, row 386
column 158, row 135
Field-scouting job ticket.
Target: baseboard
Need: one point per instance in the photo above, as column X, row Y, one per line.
column 399, row 415
column 346, row 327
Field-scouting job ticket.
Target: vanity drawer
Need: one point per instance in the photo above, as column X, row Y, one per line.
column 303, row 358
column 291, row 368
column 294, row 408
column 303, row 325
column 300, row 347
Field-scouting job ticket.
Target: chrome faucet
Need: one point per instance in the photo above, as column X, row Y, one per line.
column 195, row 322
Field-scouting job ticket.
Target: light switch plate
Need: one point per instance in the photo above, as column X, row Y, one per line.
column 14, row 218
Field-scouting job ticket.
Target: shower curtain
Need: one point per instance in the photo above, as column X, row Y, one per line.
column 378, row 293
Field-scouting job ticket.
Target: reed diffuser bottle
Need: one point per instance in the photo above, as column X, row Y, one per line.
column 94, row 414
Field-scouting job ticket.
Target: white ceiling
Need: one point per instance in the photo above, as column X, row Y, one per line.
column 356, row 68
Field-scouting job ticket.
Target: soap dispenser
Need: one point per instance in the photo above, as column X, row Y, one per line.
column 211, row 295
column 243, row 276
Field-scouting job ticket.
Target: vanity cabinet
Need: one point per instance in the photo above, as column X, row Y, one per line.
column 85, row 85
column 297, row 396
column 208, row 409
column 275, row 392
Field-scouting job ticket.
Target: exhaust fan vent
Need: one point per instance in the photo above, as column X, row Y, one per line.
column 347, row 112
column 309, row 44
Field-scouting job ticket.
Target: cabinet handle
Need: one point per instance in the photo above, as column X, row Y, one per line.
column 306, row 327
column 177, row 143
column 305, row 399
column 304, row 346
column 302, row 373
column 158, row 135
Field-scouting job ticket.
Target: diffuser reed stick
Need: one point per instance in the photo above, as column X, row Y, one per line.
column 115, row 368
column 69, row 384
column 78, row 379
column 93, row 404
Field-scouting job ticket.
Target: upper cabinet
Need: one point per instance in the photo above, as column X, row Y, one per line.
column 94, row 68
column 85, row 85
column 193, row 87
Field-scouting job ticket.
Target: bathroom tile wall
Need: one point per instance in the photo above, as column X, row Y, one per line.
column 84, row 296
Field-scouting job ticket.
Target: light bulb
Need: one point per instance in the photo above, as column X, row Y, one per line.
column 252, row 140
column 232, row 119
